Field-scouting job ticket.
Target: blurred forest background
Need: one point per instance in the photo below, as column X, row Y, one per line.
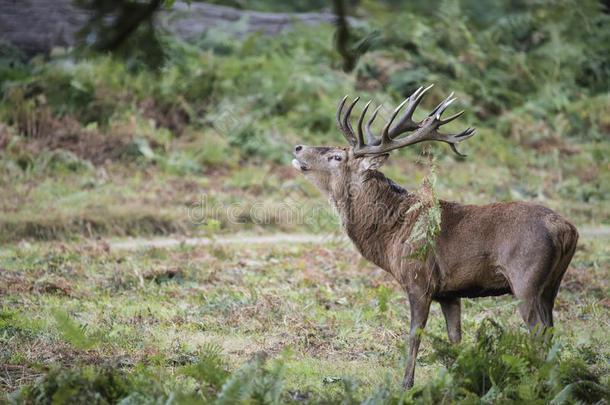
column 119, row 142
column 135, row 130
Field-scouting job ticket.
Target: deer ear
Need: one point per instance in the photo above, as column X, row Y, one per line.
column 374, row 162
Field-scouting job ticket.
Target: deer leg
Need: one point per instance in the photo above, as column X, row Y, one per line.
column 527, row 309
column 452, row 311
column 420, row 307
column 536, row 309
column 536, row 312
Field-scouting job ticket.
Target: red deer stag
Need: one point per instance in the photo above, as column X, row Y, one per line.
column 514, row 248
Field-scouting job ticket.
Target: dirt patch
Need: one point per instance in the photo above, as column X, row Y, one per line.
column 538, row 135
column 121, row 220
column 185, row 186
column 12, row 376
column 32, row 118
column 380, row 70
column 68, row 134
column 18, row 283
column 549, row 144
column 173, row 118
column 284, row 172
column 165, row 275
column 582, row 282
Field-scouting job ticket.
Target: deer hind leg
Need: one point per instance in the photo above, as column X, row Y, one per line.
column 536, row 312
column 536, row 309
column 537, row 297
column 539, row 290
column 451, row 308
column 420, row 308
column 544, row 302
column 537, row 294
column 551, row 288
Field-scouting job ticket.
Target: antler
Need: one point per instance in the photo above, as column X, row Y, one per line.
column 425, row 130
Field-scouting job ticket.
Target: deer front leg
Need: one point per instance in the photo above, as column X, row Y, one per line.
column 420, row 307
column 452, row 311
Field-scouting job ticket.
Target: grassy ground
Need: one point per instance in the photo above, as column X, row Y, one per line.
column 320, row 308
column 130, row 200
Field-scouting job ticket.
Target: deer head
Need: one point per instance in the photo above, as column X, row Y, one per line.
column 331, row 169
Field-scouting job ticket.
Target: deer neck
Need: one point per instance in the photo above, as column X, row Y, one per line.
column 371, row 212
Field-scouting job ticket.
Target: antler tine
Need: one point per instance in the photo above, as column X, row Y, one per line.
column 441, row 107
column 385, row 137
column 467, row 133
column 360, row 119
column 454, row 116
column 343, row 123
column 406, row 123
column 444, row 107
column 348, row 130
column 426, row 130
column 372, row 138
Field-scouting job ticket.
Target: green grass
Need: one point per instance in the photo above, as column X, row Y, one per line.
column 129, row 200
column 322, row 309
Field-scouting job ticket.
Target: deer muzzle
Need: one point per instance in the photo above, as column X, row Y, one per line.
column 297, row 164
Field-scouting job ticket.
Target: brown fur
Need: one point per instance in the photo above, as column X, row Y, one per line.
column 514, row 248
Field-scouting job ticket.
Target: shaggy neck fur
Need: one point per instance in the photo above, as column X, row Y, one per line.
column 372, row 210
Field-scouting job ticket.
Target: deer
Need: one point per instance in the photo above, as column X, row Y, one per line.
column 517, row 248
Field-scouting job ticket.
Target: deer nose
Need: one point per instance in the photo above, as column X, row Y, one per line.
column 298, row 148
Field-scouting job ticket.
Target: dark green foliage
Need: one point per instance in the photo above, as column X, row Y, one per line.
column 14, row 328
column 9, row 328
column 537, row 58
column 72, row 331
column 511, row 366
column 125, row 28
column 383, row 296
column 255, row 383
column 428, row 222
column 210, row 369
column 12, row 62
column 528, row 70
column 84, row 386
column 349, row 44
column 501, row 366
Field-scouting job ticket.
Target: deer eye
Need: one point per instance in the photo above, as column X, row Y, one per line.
column 337, row 158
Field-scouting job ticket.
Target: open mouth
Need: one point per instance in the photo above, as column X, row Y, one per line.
column 300, row 165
